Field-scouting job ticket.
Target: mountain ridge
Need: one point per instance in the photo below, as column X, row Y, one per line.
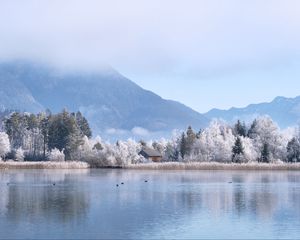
column 283, row 110
column 107, row 98
column 113, row 103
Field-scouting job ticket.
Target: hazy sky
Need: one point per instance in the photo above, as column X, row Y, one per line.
column 212, row 53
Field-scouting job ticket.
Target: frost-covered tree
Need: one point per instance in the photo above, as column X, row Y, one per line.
column 265, row 134
column 4, row 145
column 215, row 143
column 56, row 155
column 66, row 135
column 39, row 133
column 250, row 152
column 24, row 132
column 172, row 148
column 172, row 153
column 19, row 155
column 101, row 154
column 160, row 146
column 127, row 152
column 93, row 151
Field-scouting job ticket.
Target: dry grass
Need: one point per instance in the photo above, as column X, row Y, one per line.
column 156, row 166
column 215, row 166
column 43, row 165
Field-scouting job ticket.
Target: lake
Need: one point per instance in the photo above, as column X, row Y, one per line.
column 171, row 204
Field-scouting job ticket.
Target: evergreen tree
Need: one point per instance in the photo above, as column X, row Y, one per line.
column 252, row 130
column 240, row 129
column 64, row 134
column 265, row 153
column 183, row 150
column 98, row 146
column 74, row 140
column 31, row 121
column 13, row 128
column 293, row 150
column 44, row 125
column 237, row 150
column 198, row 135
column 57, row 133
column 190, row 140
column 38, row 134
column 33, row 136
column 83, row 125
column 173, row 153
column 143, row 143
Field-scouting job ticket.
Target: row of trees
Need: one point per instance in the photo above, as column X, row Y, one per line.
column 60, row 137
column 35, row 136
column 262, row 141
column 68, row 136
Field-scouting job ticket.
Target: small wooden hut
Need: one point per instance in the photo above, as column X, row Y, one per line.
column 151, row 154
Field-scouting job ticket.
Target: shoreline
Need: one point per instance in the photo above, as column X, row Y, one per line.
column 210, row 166
column 43, row 165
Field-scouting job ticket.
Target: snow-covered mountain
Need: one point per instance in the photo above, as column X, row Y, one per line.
column 284, row 111
column 111, row 102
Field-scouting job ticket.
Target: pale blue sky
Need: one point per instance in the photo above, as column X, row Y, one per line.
column 236, row 89
column 204, row 53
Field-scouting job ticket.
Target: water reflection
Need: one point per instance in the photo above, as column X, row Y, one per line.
column 179, row 204
column 54, row 195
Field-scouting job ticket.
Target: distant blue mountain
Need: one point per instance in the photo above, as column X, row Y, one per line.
column 14, row 94
column 107, row 99
column 111, row 101
column 284, row 111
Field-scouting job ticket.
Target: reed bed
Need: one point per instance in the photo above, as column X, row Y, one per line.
column 156, row 166
column 215, row 166
column 43, row 165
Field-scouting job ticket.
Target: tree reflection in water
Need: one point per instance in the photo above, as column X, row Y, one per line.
column 52, row 195
column 172, row 204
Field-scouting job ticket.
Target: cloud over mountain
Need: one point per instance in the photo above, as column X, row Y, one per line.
column 106, row 98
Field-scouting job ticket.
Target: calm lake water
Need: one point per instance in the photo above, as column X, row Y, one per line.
column 172, row 204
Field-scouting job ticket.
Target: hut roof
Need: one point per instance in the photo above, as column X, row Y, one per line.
column 150, row 152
